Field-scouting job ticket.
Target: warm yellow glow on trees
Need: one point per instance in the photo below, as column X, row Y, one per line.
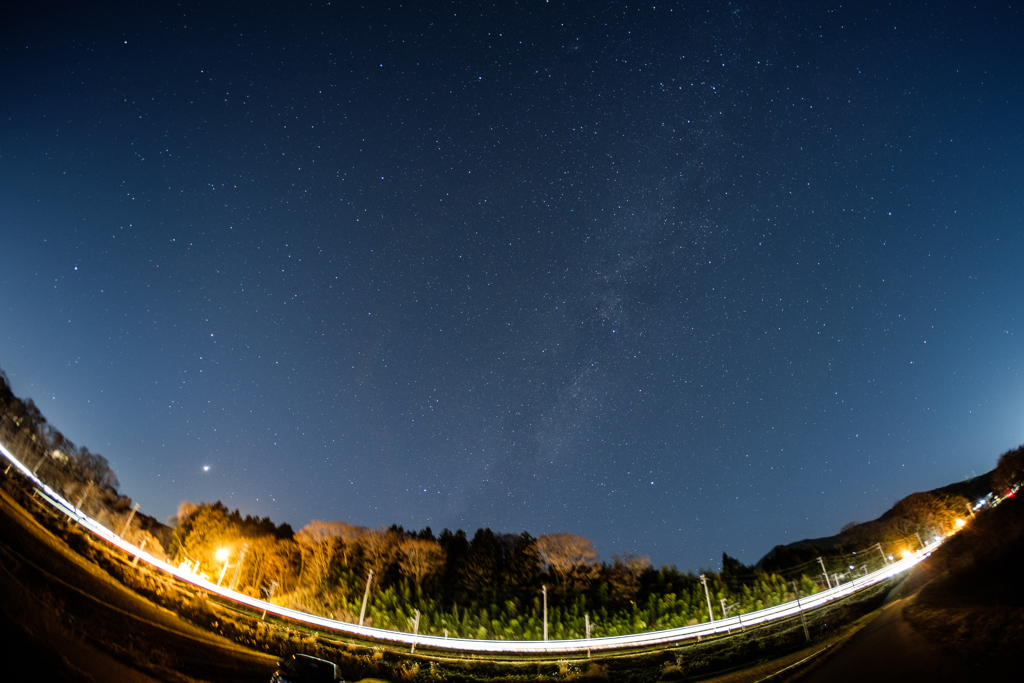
column 925, row 513
column 318, row 542
column 420, row 558
column 203, row 530
column 379, row 548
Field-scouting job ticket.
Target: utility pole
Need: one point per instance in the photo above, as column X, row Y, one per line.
column 704, row 580
column 223, row 572
column 23, row 441
column 85, row 494
column 835, row 576
column 238, row 567
column 865, row 568
column 803, row 619
column 270, row 594
column 825, row 572
column 415, row 631
column 884, row 558
column 586, row 622
column 544, row 588
column 919, row 539
column 142, row 547
column 41, row 459
column 725, row 610
column 362, row 612
column 126, row 524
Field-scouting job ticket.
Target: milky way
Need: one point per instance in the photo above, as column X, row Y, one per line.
column 682, row 278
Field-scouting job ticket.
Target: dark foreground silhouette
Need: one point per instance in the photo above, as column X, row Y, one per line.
column 55, row 603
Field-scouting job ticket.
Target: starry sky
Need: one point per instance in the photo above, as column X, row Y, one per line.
column 682, row 278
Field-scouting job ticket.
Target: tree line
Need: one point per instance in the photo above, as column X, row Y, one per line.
column 84, row 478
column 1009, row 472
column 491, row 585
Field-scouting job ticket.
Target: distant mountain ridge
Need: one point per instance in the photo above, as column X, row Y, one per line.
column 856, row 535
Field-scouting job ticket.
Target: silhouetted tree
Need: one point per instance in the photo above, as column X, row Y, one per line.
column 1009, row 470
column 521, row 570
column 455, row 546
column 95, row 468
column 624, row 576
column 478, row 575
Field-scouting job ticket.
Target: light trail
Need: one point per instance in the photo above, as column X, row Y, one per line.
column 467, row 645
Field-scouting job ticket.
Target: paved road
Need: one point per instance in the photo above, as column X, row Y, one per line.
column 889, row 649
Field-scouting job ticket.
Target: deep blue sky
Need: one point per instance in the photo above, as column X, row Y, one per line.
column 683, row 278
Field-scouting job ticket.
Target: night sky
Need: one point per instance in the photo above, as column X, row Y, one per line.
column 682, row 278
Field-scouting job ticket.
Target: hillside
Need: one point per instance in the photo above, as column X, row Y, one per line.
column 974, row 605
column 858, row 536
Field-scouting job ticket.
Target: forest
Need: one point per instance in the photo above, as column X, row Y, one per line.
column 491, row 585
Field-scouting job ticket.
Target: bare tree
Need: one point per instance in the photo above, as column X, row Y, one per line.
column 185, row 509
column 379, row 549
column 95, row 467
column 262, row 551
column 283, row 565
column 419, row 558
column 572, row 558
column 1009, row 470
column 348, row 536
column 624, row 575
column 319, row 542
column 141, row 537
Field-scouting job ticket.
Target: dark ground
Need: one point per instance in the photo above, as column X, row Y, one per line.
column 890, row 649
column 963, row 619
column 71, row 622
